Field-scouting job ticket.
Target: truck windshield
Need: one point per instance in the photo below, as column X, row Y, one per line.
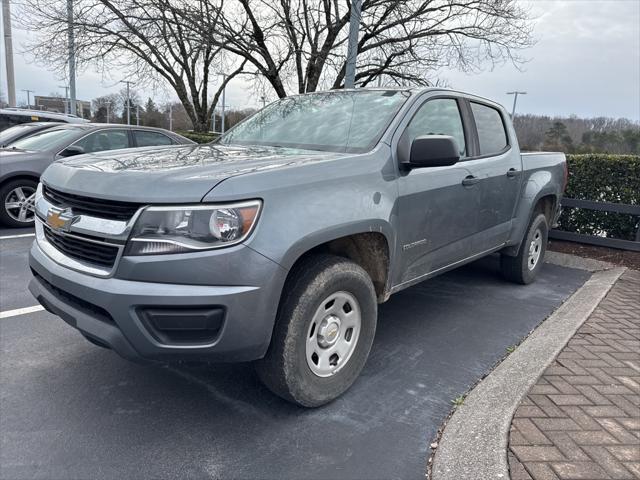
column 338, row 121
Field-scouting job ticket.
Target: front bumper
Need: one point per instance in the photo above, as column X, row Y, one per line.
column 109, row 310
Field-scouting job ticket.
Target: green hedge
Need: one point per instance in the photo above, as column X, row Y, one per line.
column 199, row 137
column 602, row 178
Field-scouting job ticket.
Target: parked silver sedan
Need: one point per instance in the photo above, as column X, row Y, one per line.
column 23, row 161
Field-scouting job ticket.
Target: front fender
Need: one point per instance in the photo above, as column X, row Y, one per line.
column 314, row 239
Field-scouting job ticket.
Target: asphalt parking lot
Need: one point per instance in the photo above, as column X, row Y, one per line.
column 72, row 410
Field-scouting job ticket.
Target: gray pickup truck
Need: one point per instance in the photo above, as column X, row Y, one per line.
column 276, row 243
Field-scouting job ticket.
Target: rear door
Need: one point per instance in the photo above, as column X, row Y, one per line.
column 498, row 166
column 437, row 213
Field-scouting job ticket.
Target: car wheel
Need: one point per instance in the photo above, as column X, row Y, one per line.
column 524, row 267
column 323, row 334
column 18, row 199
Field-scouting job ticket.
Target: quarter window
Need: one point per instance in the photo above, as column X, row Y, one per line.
column 104, row 140
column 145, row 138
column 440, row 116
column 491, row 133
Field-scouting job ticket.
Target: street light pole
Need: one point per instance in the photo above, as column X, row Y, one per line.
column 224, row 90
column 128, row 82
column 8, row 53
column 72, row 57
column 66, row 97
column 515, row 101
column 29, row 92
column 352, row 48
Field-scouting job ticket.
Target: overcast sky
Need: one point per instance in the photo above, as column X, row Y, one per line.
column 586, row 62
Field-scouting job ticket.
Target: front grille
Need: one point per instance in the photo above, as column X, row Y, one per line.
column 95, row 207
column 75, row 247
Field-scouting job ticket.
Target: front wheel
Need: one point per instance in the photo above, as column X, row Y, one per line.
column 524, row 267
column 17, row 208
column 323, row 334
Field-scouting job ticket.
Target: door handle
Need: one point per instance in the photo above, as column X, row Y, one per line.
column 512, row 173
column 470, row 180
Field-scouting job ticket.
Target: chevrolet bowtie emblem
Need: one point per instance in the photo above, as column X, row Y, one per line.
column 60, row 219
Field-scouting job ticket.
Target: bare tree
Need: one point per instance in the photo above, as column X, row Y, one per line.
column 300, row 45
column 148, row 39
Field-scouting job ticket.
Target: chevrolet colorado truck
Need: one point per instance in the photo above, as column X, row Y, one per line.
column 276, row 243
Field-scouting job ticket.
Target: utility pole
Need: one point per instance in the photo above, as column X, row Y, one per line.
column 352, row 49
column 29, row 92
column 128, row 82
column 107, row 104
column 263, row 99
column 8, row 52
column 66, row 97
column 72, row 57
column 138, row 115
column 213, row 120
column 515, row 101
column 170, row 118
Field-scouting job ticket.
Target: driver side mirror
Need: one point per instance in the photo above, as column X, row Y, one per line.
column 433, row 151
column 72, row 150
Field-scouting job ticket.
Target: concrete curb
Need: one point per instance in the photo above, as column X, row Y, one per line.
column 474, row 442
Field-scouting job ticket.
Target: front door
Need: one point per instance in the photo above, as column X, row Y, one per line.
column 437, row 213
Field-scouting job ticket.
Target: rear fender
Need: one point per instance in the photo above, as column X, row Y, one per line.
column 540, row 184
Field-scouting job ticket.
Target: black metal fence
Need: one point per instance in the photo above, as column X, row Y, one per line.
column 633, row 245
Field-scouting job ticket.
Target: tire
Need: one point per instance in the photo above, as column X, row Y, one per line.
column 18, row 193
column 308, row 316
column 524, row 267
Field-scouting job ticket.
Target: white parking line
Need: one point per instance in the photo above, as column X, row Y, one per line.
column 21, row 311
column 7, row 237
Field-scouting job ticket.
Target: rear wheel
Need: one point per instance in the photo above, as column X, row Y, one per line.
column 323, row 334
column 18, row 198
column 524, row 267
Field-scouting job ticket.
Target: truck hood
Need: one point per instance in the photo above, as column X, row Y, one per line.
column 169, row 174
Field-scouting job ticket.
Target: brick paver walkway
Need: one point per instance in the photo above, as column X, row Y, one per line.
column 582, row 418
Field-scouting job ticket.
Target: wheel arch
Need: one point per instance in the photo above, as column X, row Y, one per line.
column 371, row 248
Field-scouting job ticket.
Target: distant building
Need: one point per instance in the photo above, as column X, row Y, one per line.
column 57, row 104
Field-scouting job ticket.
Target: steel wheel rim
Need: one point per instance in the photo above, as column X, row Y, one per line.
column 19, row 204
column 333, row 334
column 535, row 250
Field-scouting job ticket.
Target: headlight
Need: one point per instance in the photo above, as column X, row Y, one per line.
column 161, row 230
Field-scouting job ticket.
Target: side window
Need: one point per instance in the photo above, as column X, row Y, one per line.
column 491, row 132
column 104, row 140
column 440, row 116
column 146, row 138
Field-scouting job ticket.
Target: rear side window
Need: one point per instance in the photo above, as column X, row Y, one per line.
column 439, row 116
column 145, row 138
column 491, row 132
